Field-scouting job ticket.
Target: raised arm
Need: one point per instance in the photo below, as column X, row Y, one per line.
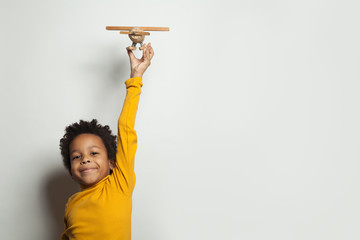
column 127, row 138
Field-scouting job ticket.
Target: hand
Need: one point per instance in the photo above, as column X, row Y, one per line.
column 139, row 66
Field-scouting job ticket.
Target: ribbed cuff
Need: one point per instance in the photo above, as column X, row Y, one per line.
column 134, row 82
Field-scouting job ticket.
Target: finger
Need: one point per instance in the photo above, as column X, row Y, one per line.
column 131, row 54
column 143, row 54
column 146, row 52
column 151, row 51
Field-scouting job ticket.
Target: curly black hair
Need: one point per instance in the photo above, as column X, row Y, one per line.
column 93, row 127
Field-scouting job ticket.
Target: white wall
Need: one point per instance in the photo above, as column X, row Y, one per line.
column 248, row 123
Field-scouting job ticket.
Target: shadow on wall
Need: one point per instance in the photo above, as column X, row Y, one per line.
column 58, row 187
column 110, row 67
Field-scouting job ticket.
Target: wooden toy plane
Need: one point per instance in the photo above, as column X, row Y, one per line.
column 137, row 34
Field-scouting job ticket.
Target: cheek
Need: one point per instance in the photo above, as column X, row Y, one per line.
column 73, row 167
column 72, row 171
column 105, row 166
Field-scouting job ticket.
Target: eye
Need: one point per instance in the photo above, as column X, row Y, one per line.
column 94, row 153
column 76, row 157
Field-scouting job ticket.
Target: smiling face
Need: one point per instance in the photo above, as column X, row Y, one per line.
column 89, row 159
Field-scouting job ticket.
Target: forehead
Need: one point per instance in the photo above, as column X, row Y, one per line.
column 86, row 140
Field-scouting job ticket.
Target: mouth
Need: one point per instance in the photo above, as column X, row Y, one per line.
column 87, row 170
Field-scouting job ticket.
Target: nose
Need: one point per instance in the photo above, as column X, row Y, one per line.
column 84, row 161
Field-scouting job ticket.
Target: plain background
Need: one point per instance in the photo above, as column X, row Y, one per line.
column 248, row 122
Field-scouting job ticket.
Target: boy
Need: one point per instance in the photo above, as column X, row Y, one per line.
column 104, row 168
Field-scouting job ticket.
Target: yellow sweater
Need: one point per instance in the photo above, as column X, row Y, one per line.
column 103, row 211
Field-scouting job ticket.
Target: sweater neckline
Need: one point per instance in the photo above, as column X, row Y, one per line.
column 85, row 188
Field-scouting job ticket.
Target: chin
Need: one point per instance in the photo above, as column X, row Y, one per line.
column 90, row 182
column 87, row 181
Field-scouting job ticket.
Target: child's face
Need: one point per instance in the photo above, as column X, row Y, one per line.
column 88, row 158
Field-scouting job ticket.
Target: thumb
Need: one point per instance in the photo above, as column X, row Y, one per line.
column 131, row 54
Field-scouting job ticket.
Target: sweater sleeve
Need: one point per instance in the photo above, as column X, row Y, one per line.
column 127, row 139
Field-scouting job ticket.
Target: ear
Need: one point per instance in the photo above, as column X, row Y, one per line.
column 112, row 164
